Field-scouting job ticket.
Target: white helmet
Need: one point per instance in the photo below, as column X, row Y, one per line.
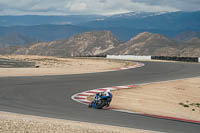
column 107, row 90
column 106, row 93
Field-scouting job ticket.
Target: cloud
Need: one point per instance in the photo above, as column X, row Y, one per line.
column 183, row 5
column 78, row 6
column 103, row 7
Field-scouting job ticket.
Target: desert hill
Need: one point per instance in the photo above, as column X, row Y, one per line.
column 85, row 44
column 148, row 44
column 192, row 48
column 104, row 42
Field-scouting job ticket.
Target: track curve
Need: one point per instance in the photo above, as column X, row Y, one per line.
column 46, row 96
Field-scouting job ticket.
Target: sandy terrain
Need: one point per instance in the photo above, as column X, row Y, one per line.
column 61, row 66
column 179, row 98
column 16, row 123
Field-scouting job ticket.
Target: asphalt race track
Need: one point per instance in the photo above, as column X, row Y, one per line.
column 50, row 96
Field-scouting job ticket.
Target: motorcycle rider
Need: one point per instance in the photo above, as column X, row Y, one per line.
column 108, row 94
column 105, row 95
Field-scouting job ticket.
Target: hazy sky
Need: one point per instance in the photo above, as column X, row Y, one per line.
column 102, row 7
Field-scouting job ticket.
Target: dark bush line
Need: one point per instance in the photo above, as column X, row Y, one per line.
column 174, row 58
column 185, row 59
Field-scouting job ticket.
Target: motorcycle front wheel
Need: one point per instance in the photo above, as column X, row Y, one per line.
column 101, row 104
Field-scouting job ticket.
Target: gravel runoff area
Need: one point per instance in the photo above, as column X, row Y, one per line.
column 60, row 66
column 17, row 123
column 179, row 98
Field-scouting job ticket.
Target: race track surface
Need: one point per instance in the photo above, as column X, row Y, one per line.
column 50, row 96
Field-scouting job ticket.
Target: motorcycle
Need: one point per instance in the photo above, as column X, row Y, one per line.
column 100, row 101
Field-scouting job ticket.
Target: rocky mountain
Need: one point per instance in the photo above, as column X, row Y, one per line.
column 194, row 41
column 15, row 39
column 158, row 45
column 148, row 44
column 186, row 36
column 31, row 20
column 136, row 14
column 43, row 32
column 192, row 48
column 104, row 42
column 85, row 44
column 8, row 49
column 123, row 26
column 131, row 24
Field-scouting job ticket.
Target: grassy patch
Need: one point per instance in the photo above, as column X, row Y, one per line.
column 184, row 105
column 195, row 105
column 187, row 105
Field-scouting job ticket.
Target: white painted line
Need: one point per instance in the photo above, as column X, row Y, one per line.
column 110, row 88
column 123, row 68
column 81, row 96
column 96, row 90
column 123, row 87
column 86, row 93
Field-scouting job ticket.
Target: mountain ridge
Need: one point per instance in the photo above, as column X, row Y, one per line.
column 85, row 44
column 104, row 42
column 123, row 26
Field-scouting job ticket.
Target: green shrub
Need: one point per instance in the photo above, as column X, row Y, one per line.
column 186, row 106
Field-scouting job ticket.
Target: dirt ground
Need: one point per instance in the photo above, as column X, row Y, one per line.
column 179, row 98
column 61, row 66
column 16, row 123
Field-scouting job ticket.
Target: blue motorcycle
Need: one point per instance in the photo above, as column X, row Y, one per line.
column 100, row 101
